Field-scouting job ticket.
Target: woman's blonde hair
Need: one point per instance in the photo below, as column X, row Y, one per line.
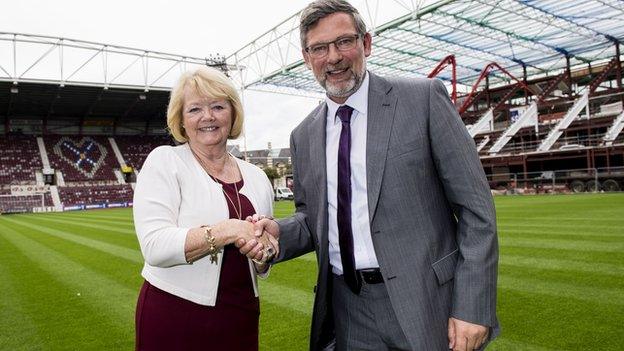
column 208, row 82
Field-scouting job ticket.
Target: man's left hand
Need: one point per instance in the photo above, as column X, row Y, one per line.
column 465, row 336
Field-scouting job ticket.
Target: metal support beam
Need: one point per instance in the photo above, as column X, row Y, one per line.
column 448, row 60
column 569, row 73
column 470, row 99
column 487, row 91
column 618, row 73
column 524, row 79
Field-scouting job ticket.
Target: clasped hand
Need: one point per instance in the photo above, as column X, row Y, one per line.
column 263, row 246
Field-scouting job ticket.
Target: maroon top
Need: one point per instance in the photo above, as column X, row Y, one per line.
column 168, row 322
column 235, row 284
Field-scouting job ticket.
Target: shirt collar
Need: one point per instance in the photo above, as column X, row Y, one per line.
column 357, row 100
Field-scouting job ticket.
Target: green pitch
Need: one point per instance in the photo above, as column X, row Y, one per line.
column 70, row 280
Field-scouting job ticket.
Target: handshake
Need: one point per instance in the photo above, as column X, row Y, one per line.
column 262, row 245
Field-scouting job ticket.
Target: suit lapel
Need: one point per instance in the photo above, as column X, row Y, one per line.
column 316, row 139
column 381, row 107
column 318, row 165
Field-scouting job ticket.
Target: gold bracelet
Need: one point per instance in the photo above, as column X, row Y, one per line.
column 213, row 251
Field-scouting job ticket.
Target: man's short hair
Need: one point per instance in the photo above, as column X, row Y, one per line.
column 319, row 9
column 207, row 82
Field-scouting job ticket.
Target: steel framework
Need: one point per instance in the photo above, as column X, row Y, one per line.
column 531, row 38
column 44, row 59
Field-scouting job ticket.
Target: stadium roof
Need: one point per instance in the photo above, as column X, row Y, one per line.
column 29, row 58
column 539, row 35
column 53, row 102
column 67, row 79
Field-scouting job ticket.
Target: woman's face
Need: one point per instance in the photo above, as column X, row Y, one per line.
column 207, row 121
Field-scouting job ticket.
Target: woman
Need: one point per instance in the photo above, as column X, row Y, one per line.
column 190, row 203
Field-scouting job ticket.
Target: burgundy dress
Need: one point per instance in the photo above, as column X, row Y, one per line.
column 167, row 322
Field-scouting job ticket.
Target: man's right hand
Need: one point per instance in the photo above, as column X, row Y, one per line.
column 253, row 248
column 263, row 223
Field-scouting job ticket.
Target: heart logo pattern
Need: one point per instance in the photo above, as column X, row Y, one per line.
column 85, row 156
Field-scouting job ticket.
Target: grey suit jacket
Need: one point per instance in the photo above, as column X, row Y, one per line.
column 431, row 213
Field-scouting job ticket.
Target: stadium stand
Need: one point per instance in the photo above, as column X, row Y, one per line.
column 87, row 158
column 98, row 194
column 19, row 204
column 135, row 149
column 19, row 159
column 47, row 199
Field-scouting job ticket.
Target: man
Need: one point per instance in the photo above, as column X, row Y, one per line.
column 390, row 193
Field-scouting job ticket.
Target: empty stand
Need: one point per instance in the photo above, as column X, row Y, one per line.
column 527, row 118
column 482, row 143
column 19, row 159
column 99, row 194
column 87, row 158
column 135, row 149
column 614, row 130
column 572, row 113
column 485, row 123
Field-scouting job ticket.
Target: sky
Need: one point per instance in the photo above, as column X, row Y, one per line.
column 182, row 27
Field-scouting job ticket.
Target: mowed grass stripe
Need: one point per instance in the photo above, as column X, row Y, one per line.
column 536, row 263
column 569, row 226
column 579, row 200
column 111, row 249
column 107, row 221
column 104, row 228
column 601, row 295
column 554, row 232
column 578, row 245
column 563, row 219
column 20, row 331
column 105, row 302
column 589, row 257
column 505, row 344
column 286, row 297
column 126, row 220
column 124, row 214
column 309, row 257
column 100, row 233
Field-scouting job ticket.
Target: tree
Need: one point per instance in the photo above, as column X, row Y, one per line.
column 287, row 169
column 271, row 173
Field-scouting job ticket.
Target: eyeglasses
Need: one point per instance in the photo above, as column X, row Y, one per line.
column 344, row 43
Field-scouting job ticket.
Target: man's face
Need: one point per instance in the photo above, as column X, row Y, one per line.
column 340, row 73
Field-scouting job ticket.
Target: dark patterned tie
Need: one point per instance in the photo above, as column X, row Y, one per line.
column 345, row 235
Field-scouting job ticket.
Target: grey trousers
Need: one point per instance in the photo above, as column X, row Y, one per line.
column 365, row 321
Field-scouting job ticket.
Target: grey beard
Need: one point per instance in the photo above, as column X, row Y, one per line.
column 352, row 86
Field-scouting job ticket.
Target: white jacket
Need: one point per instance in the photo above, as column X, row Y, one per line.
column 174, row 194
